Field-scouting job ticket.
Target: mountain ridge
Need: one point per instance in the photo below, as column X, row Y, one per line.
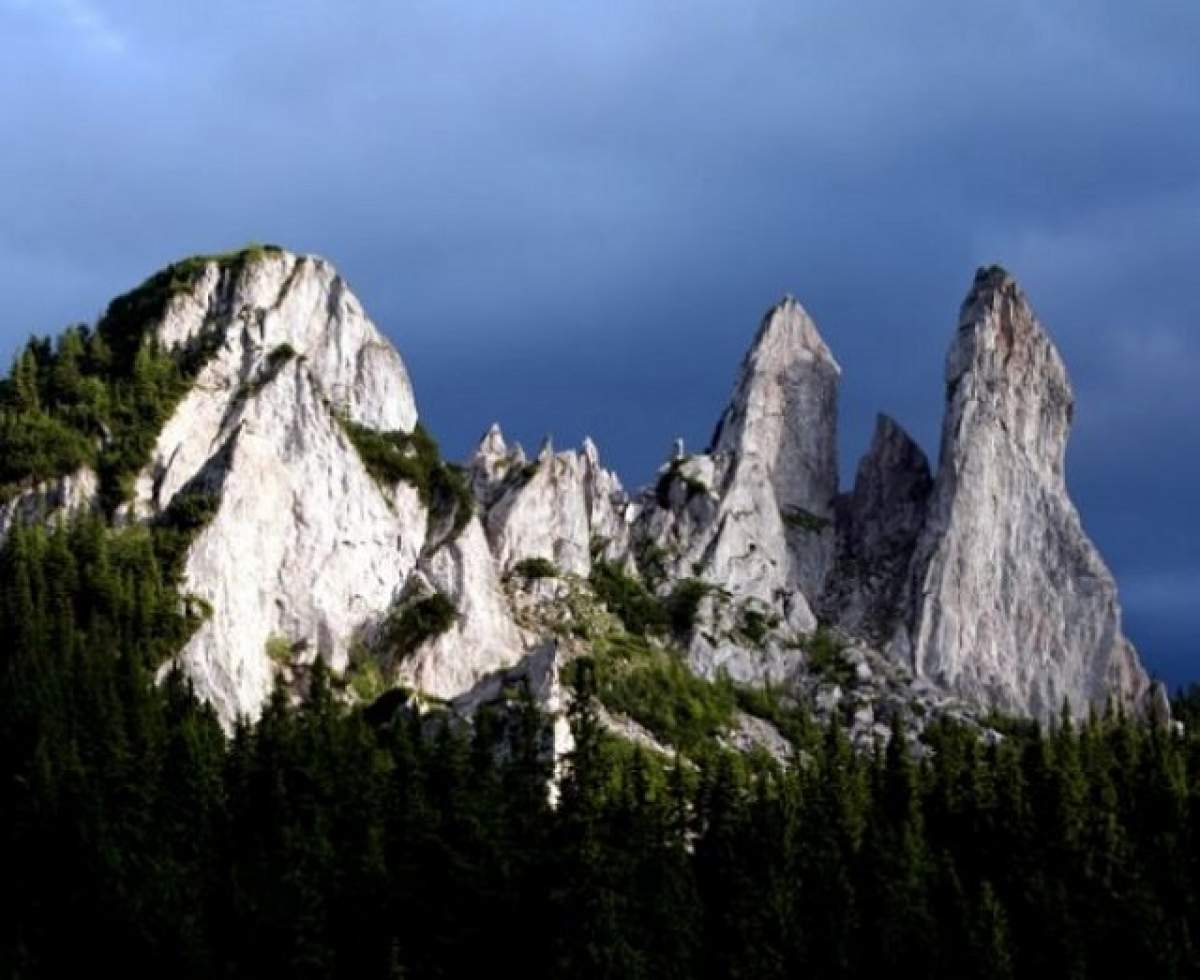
column 309, row 553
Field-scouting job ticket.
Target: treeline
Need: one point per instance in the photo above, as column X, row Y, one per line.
column 326, row 842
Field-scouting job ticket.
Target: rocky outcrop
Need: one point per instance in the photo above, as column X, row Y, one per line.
column 1012, row 606
column 483, row 637
column 277, row 307
column 304, row 546
column 72, row 494
column 559, row 507
column 299, row 439
column 754, row 515
column 878, row 524
column 784, row 411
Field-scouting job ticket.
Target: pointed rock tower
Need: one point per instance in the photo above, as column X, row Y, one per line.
column 1012, row 606
column 777, row 443
column 878, row 524
column 783, row 414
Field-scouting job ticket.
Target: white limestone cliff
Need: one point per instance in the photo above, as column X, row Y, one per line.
column 304, row 545
column 1012, row 606
column 71, row 494
column 784, row 411
column 978, row 587
column 754, row 515
column 306, row 550
column 483, row 637
column 276, row 302
column 555, row 507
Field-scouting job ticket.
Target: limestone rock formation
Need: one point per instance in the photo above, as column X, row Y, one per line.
column 878, row 525
column 754, row 515
column 304, row 545
column 1012, row 606
column 483, row 637
column 556, row 507
column 76, row 492
column 298, row 440
column 784, row 411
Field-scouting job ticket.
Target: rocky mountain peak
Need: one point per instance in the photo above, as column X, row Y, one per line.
column 788, row 333
column 783, row 412
column 322, row 522
column 1001, row 536
column 493, row 443
column 1003, row 370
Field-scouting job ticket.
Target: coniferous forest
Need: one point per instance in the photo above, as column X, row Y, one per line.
column 330, row 842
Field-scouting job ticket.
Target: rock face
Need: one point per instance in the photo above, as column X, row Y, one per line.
column 878, row 526
column 306, row 551
column 754, row 515
column 1012, row 605
column 70, row 494
column 778, row 438
column 977, row 587
column 483, row 637
column 554, row 508
column 784, row 411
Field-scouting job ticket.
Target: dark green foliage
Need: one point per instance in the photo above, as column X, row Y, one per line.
column 275, row 362
column 673, row 473
column 789, row 717
column 99, row 397
column 804, row 520
column 189, row 511
column 1185, row 707
column 137, row 839
column 826, row 657
column 535, row 568
column 653, row 686
column 628, row 599
column 413, row 457
column 280, row 355
column 754, row 624
column 419, row 621
column 683, row 604
column 35, row 447
column 651, row 560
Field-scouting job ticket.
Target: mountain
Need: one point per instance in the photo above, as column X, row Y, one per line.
column 318, row 520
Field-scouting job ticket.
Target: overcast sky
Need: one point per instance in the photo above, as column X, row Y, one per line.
column 570, row 216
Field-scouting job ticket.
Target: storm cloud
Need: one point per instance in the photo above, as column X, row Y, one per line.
column 570, row 217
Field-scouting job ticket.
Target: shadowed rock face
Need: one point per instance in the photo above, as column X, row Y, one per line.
column 878, row 524
column 1011, row 605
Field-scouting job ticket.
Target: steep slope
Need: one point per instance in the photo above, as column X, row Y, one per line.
column 246, row 407
column 754, row 515
column 303, row 546
column 878, row 525
column 309, row 547
column 1012, row 606
column 556, row 507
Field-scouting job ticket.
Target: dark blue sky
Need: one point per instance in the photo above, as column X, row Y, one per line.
column 570, row 217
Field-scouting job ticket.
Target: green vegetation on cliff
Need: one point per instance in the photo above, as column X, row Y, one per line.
column 414, row 458
column 98, row 397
